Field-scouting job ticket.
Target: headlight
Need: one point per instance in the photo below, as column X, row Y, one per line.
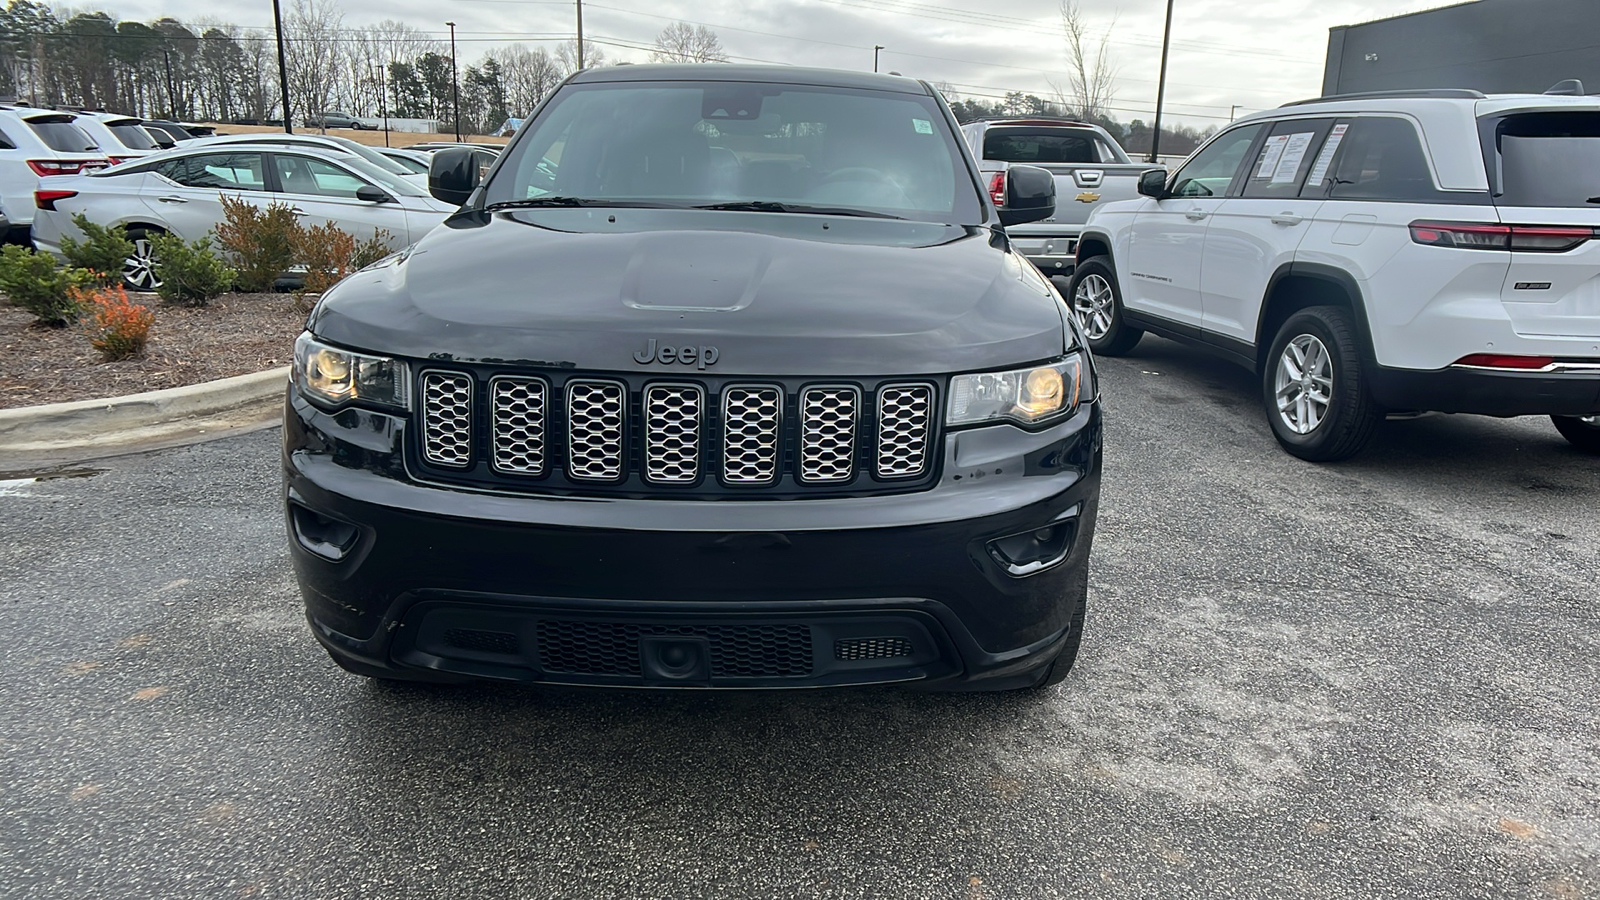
column 1025, row 396
column 336, row 376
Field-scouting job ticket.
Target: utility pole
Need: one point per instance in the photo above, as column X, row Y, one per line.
column 283, row 69
column 1161, row 86
column 455, row 82
column 1233, row 109
column 383, row 109
column 580, row 35
column 875, row 49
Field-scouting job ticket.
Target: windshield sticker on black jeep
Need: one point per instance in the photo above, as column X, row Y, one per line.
column 699, row 357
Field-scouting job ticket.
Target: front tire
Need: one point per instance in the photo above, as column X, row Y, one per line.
column 1582, row 431
column 139, row 269
column 1314, row 388
column 1096, row 303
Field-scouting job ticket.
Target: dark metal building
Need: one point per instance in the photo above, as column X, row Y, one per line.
column 1495, row 46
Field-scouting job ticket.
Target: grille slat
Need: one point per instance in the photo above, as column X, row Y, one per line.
column 447, row 419
column 828, row 433
column 904, row 419
column 672, row 416
column 595, row 411
column 736, row 651
column 519, row 424
column 751, row 439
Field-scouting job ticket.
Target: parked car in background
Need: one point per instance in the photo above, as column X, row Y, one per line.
column 120, row 137
column 1089, row 166
column 164, row 141
column 180, row 192
column 430, row 146
column 1431, row 250
column 176, row 133
column 35, row 143
column 332, row 119
column 329, row 142
column 414, row 160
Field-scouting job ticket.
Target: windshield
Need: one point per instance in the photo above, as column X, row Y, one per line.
column 62, row 135
column 131, row 136
column 370, row 155
column 384, row 178
column 699, row 143
column 1550, row 160
column 415, row 166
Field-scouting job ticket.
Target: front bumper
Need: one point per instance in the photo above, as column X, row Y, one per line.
column 1460, row 389
column 445, row 584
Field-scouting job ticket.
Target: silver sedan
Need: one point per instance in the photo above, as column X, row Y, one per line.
column 180, row 192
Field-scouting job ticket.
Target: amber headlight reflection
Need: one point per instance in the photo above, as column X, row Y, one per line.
column 1025, row 396
column 334, row 376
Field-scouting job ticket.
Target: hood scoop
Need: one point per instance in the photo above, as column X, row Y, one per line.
column 684, row 272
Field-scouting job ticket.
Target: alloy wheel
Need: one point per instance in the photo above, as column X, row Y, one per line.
column 139, row 269
column 1093, row 303
column 1303, row 383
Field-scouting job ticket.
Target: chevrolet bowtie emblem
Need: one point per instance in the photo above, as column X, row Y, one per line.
column 1088, row 197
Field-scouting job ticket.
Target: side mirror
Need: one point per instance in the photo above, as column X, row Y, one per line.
column 371, row 193
column 453, row 173
column 1153, row 183
column 1030, row 195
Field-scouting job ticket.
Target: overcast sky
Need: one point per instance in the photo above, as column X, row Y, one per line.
column 1250, row 53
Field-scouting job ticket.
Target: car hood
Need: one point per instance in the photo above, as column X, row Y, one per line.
column 776, row 294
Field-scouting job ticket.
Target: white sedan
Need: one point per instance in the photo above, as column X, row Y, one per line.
column 180, row 192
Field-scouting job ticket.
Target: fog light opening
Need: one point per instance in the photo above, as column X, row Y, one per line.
column 1036, row 550
column 330, row 539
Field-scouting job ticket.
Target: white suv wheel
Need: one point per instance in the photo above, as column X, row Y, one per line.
column 1304, row 383
column 1094, row 305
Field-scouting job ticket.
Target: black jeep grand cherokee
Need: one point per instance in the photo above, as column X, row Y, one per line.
column 722, row 377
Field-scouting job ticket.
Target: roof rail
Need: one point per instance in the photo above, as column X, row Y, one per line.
column 1421, row 93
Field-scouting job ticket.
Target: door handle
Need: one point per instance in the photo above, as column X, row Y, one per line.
column 173, row 199
column 1287, row 218
column 297, row 211
column 1195, row 215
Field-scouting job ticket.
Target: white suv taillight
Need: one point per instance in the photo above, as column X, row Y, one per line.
column 44, row 167
column 1488, row 236
column 997, row 189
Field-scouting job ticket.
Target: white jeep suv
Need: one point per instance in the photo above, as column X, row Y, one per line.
column 1367, row 254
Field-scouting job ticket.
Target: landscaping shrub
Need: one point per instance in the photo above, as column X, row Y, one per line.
column 34, row 282
column 117, row 328
column 370, row 251
column 190, row 273
column 261, row 240
column 325, row 250
column 102, row 251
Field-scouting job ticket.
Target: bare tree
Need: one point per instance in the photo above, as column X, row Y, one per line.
column 315, row 54
column 567, row 57
column 529, row 75
column 681, row 42
column 1091, row 73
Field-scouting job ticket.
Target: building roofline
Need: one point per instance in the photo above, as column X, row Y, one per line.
column 1420, row 12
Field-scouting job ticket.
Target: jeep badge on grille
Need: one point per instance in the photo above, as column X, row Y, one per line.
column 699, row 357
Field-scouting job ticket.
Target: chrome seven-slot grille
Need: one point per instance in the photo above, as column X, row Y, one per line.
column 509, row 429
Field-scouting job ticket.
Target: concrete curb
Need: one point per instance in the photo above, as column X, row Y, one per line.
column 98, row 424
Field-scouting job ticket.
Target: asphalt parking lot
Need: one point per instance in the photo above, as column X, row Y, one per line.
column 1373, row 679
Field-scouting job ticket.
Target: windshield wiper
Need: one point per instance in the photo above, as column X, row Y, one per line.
column 774, row 206
column 532, row 202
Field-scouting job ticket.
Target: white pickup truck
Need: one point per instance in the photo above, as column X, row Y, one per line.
column 1089, row 166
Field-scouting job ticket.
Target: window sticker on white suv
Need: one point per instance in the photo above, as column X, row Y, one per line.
column 1319, row 169
column 1294, row 152
column 1270, row 154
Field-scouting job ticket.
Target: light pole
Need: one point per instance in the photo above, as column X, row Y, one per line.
column 283, row 69
column 383, row 109
column 875, row 49
column 455, row 82
column 580, row 35
column 1161, row 86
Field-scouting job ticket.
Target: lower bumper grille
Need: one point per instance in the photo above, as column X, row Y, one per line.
column 736, row 651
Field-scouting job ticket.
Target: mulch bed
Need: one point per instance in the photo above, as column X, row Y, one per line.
column 235, row 335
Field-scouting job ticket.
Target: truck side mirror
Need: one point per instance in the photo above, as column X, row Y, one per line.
column 1030, row 195
column 1153, row 183
column 453, row 173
